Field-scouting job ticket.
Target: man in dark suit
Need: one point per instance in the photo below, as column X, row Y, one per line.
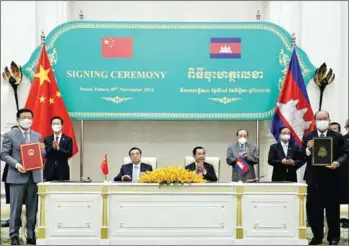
column 285, row 157
column 200, row 166
column 323, row 182
column 134, row 170
column 344, row 170
column 7, row 186
column 59, row 148
column 23, row 184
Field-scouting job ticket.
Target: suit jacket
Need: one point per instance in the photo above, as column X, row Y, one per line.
column 11, row 154
column 315, row 175
column 252, row 159
column 210, row 173
column 283, row 172
column 344, row 170
column 127, row 169
column 4, row 173
column 58, row 157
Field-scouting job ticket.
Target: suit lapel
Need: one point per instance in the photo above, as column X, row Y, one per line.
column 130, row 169
column 279, row 145
column 61, row 141
column 20, row 136
column 31, row 134
column 237, row 148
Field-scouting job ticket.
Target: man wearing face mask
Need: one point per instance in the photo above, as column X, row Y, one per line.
column 323, row 182
column 7, row 186
column 22, row 183
column 59, row 148
column 245, row 150
column 285, row 157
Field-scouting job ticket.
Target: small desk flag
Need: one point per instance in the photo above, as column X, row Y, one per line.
column 104, row 165
column 242, row 165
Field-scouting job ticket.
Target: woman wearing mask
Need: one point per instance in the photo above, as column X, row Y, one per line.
column 285, row 157
column 59, row 148
column 242, row 156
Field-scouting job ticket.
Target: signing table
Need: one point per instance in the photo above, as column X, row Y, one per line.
column 151, row 214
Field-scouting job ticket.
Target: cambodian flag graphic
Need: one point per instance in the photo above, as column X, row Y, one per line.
column 293, row 109
column 225, row 48
column 241, row 165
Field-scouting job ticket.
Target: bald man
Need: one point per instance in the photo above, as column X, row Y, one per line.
column 323, row 182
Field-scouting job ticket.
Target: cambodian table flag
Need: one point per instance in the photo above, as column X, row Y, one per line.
column 293, row 109
column 241, row 165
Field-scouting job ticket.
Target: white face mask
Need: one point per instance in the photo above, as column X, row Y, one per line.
column 242, row 140
column 56, row 128
column 25, row 123
column 322, row 125
column 285, row 137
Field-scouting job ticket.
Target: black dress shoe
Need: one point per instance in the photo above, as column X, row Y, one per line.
column 315, row 241
column 6, row 223
column 333, row 242
column 31, row 241
column 15, row 241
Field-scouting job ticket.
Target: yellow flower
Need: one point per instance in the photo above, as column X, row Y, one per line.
column 171, row 175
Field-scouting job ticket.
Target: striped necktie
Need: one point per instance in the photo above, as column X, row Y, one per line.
column 26, row 136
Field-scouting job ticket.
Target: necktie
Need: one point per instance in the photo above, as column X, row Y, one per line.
column 26, row 137
column 242, row 147
column 322, row 135
column 57, row 139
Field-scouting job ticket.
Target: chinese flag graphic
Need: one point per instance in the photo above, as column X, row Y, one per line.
column 104, row 165
column 45, row 100
column 117, row 47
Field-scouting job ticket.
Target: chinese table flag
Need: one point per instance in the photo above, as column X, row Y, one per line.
column 45, row 100
column 104, row 165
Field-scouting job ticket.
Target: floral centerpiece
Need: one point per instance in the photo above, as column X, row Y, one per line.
column 171, row 176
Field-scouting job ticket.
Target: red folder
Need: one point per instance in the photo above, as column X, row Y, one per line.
column 31, row 156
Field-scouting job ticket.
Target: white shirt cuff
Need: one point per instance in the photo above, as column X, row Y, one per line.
column 17, row 164
column 308, row 152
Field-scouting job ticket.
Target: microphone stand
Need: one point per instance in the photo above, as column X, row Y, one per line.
column 255, row 180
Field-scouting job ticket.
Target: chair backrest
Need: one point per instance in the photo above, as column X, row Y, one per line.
column 214, row 161
column 147, row 160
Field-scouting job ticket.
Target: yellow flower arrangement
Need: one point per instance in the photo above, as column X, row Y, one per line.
column 171, row 175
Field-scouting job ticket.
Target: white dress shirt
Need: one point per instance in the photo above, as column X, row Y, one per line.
column 284, row 147
column 59, row 137
column 24, row 136
column 136, row 170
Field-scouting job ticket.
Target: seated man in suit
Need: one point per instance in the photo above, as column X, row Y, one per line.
column 135, row 169
column 245, row 150
column 200, row 166
column 59, row 148
column 285, row 157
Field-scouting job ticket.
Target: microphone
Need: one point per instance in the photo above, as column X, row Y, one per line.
column 255, row 179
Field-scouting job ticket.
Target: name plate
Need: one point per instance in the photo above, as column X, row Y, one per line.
column 322, row 151
column 169, row 70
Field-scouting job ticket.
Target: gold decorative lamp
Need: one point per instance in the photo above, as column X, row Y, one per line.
column 323, row 78
column 14, row 77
